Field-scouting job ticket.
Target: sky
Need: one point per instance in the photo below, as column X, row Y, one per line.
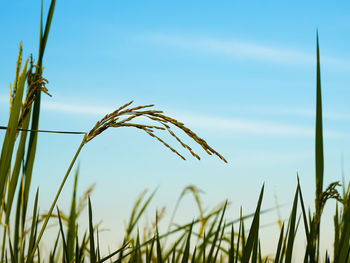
column 240, row 74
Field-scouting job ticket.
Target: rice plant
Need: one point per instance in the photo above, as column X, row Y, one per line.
column 207, row 238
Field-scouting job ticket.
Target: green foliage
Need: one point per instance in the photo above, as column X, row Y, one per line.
column 207, row 238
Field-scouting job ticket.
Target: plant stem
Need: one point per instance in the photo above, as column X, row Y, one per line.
column 57, row 195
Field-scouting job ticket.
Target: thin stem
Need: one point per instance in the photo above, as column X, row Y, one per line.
column 57, row 195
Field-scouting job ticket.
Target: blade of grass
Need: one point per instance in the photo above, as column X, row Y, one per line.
column 254, row 230
column 135, row 214
column 279, row 246
column 72, row 220
column 231, row 254
column 91, row 231
column 186, row 254
column 33, row 230
column 212, row 248
column 319, row 158
column 239, row 236
column 292, row 229
column 10, row 136
column 58, row 193
column 65, row 250
column 31, row 150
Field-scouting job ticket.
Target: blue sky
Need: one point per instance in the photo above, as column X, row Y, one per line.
column 241, row 75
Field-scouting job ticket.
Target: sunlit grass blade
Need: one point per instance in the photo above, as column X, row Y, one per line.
column 254, row 230
column 16, row 235
column 71, row 233
column 10, row 136
column 16, row 168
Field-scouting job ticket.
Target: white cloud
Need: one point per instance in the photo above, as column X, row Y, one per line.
column 254, row 127
column 238, row 48
column 216, row 124
column 295, row 112
column 76, row 109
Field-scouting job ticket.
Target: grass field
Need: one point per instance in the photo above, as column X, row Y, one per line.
column 211, row 237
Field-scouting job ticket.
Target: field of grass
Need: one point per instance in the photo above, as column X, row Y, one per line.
column 209, row 238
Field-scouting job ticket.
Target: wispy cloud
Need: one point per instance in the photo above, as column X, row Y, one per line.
column 226, row 126
column 77, row 109
column 211, row 123
column 243, row 49
column 254, row 127
column 295, row 112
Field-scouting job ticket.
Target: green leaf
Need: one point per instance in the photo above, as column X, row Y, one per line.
column 319, row 131
column 253, row 232
column 217, row 232
column 186, row 253
column 91, row 233
column 65, row 250
column 10, row 136
column 72, row 220
column 292, row 229
column 279, row 246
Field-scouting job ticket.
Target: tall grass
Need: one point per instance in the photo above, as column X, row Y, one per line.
column 208, row 238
